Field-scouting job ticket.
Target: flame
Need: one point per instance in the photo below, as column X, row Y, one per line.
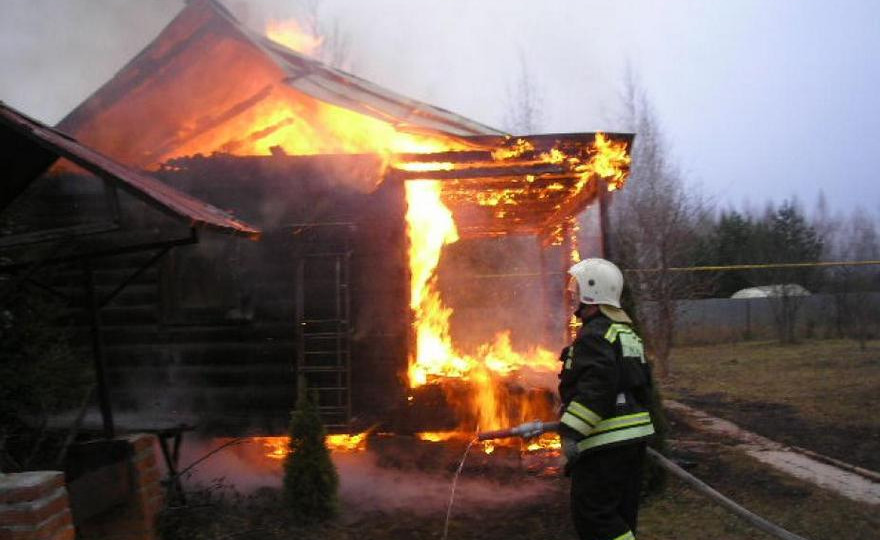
column 555, row 155
column 278, row 118
column 501, row 196
column 279, row 447
column 438, row 436
column 289, row 33
column 430, row 227
column 297, row 124
column 425, row 166
column 548, row 442
column 276, row 447
column 344, row 442
column 611, row 161
column 520, row 147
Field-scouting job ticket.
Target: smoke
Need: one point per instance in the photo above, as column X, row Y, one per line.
column 55, row 54
column 494, row 285
column 364, row 485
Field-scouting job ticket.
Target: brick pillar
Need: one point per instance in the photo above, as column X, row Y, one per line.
column 34, row 506
column 136, row 520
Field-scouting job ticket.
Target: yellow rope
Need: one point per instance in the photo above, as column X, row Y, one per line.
column 759, row 266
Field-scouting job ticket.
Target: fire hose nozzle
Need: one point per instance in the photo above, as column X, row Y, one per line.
column 526, row 430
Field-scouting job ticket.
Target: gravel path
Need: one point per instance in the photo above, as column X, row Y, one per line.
column 843, row 480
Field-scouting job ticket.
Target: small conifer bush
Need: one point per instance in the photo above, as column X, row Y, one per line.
column 310, row 478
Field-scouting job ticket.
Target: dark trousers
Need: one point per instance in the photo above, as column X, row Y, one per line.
column 605, row 486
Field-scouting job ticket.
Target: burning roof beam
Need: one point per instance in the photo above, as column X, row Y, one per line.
column 520, row 185
column 489, row 171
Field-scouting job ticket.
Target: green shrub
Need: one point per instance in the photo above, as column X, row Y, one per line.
column 310, row 478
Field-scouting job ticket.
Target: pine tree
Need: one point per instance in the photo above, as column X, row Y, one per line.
column 310, row 478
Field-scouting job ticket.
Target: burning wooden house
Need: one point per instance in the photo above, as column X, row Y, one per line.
column 357, row 190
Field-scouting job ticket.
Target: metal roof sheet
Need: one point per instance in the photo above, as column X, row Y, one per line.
column 30, row 141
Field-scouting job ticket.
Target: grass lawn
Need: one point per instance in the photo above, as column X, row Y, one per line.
column 817, row 394
column 800, row 507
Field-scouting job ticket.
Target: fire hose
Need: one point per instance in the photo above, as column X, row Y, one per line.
column 533, row 429
column 526, row 431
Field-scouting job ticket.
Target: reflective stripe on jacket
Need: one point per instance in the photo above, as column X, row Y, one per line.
column 605, row 386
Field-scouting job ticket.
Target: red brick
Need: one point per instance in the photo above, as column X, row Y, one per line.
column 151, row 490
column 57, row 523
column 147, row 477
column 145, row 460
column 156, row 504
column 29, row 486
column 19, row 535
column 67, row 533
column 34, row 512
column 141, row 441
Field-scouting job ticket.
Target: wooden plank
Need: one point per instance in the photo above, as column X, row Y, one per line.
column 480, row 172
column 574, row 204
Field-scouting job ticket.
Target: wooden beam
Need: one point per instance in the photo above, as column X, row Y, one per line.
column 574, row 204
column 479, row 172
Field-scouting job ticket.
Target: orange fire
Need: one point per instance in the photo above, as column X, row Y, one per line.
column 297, row 124
column 344, row 442
column 289, row 33
column 275, row 447
column 438, row 436
column 279, row 447
column 486, row 372
column 281, row 119
column 431, row 227
column 609, row 160
column 546, row 442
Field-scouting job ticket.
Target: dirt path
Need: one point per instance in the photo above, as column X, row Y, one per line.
column 784, row 458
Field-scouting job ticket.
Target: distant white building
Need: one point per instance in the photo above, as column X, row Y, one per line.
column 772, row 291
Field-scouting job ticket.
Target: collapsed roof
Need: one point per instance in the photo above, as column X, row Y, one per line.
column 209, row 82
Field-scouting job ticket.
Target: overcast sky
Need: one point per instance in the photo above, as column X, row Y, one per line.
column 759, row 99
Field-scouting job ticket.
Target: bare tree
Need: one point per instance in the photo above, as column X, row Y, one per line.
column 335, row 40
column 860, row 241
column 524, row 103
column 654, row 228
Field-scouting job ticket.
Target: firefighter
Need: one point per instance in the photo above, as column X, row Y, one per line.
column 605, row 391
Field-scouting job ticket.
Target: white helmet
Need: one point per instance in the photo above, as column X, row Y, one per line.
column 598, row 282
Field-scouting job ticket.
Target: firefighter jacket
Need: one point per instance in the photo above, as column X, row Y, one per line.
column 605, row 386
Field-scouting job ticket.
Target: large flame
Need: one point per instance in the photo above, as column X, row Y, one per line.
column 431, row 227
column 296, row 124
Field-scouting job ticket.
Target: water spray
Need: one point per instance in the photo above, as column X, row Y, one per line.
column 526, row 431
